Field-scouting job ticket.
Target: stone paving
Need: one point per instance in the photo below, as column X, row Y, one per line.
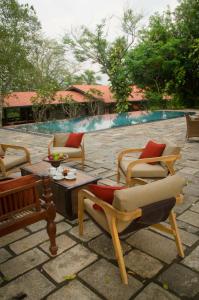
column 28, row 271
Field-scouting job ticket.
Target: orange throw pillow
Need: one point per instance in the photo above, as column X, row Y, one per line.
column 18, row 182
column 152, row 149
column 105, row 193
column 74, row 140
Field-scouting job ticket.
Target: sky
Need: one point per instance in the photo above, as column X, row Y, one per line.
column 59, row 16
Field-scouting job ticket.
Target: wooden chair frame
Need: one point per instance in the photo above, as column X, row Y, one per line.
column 7, row 146
column 81, row 158
column 112, row 215
column 130, row 181
column 192, row 127
column 15, row 215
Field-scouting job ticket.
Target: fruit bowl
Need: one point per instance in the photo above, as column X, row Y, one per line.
column 55, row 161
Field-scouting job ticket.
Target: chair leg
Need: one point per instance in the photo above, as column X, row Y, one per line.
column 172, row 219
column 118, row 251
column 81, row 214
column 51, row 230
column 118, row 176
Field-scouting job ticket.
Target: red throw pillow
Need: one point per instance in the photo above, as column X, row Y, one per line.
column 74, row 140
column 152, row 149
column 18, row 182
column 104, row 192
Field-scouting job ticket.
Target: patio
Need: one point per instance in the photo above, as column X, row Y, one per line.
column 85, row 268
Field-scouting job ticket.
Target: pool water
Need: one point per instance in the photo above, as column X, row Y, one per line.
column 99, row 122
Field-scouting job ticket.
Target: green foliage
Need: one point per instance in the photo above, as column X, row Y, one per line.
column 70, row 106
column 166, row 59
column 94, row 101
column 42, row 102
column 110, row 55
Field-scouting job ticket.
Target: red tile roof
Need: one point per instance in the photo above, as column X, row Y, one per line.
column 136, row 94
column 77, row 92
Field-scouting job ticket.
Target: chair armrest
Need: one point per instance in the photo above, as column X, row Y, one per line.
column 2, row 167
column 169, row 159
column 49, row 146
column 108, row 208
column 27, row 153
column 127, row 151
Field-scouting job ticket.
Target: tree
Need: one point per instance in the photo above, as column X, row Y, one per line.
column 110, row 55
column 87, row 77
column 70, row 106
column 94, row 101
column 165, row 61
column 18, row 28
column 51, row 65
column 43, row 101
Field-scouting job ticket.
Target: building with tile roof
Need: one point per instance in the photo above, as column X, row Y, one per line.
column 20, row 103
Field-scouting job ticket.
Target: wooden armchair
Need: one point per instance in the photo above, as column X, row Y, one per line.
column 192, row 126
column 132, row 209
column 57, row 145
column 20, row 206
column 136, row 171
column 12, row 160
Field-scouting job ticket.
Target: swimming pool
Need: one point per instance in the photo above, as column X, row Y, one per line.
column 99, row 122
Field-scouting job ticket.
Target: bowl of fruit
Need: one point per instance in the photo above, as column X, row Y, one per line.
column 56, row 158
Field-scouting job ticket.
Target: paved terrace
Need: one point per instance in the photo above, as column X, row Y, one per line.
column 155, row 272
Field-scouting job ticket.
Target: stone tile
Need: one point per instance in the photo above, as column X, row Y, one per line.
column 195, row 207
column 103, row 245
column 107, row 181
column 4, row 255
column 70, row 262
column 181, row 280
column 63, row 243
column 42, row 224
column 22, row 263
column 155, row 292
column 97, row 172
column 105, row 278
column 187, row 203
column 142, row 264
column 110, row 174
column 90, row 231
column 11, row 237
column 187, row 227
column 191, row 190
column 33, row 284
column 36, row 238
column 190, row 217
column 187, row 238
column 73, row 291
column 154, row 244
column 192, row 260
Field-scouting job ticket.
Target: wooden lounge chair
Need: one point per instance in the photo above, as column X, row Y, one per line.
column 20, row 206
column 137, row 171
column 192, row 126
column 19, row 155
column 57, row 145
column 132, row 209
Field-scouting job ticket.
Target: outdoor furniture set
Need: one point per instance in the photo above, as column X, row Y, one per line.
column 119, row 211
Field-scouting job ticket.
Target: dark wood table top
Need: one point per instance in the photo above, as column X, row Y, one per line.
column 42, row 169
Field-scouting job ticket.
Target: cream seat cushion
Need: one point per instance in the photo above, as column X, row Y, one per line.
column 100, row 217
column 138, row 196
column 72, row 152
column 11, row 161
column 144, row 170
column 131, row 198
column 60, row 139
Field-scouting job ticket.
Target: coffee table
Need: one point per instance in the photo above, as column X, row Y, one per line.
column 65, row 192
